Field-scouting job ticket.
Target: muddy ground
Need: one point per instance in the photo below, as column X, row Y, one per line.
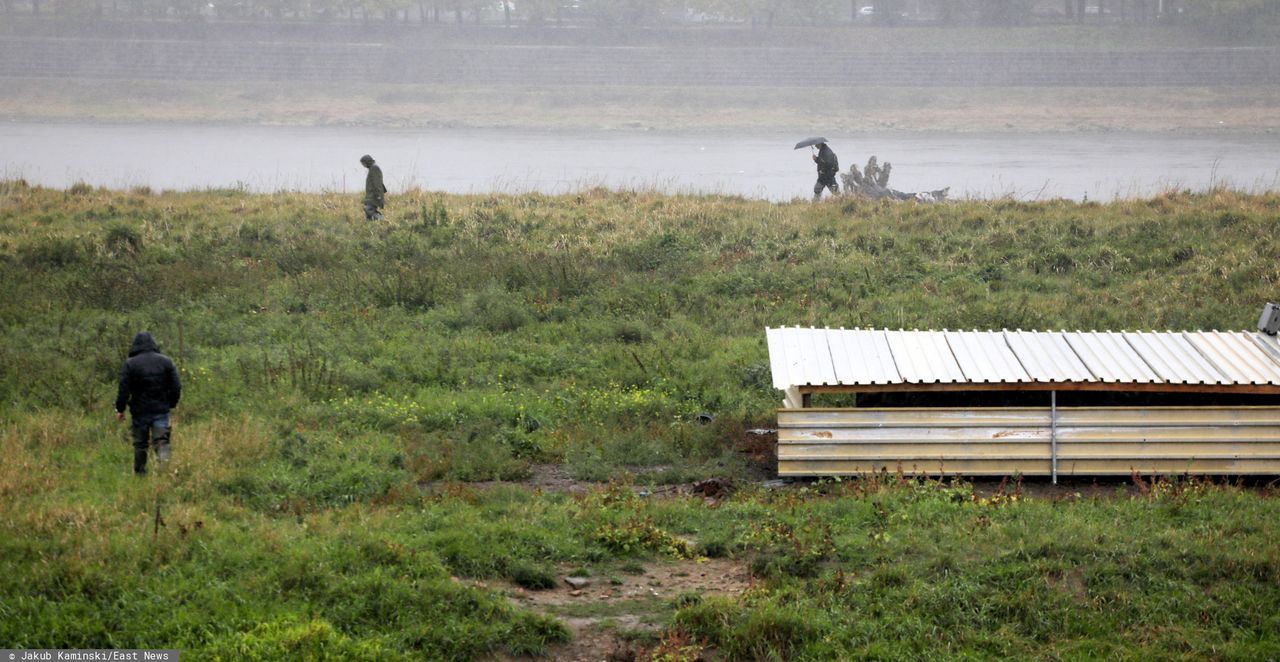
column 613, row 616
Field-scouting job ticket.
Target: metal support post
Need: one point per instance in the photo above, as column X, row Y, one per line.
column 1053, row 435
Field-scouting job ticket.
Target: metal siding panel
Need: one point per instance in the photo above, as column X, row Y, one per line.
column 1236, row 355
column 908, row 417
column 984, row 356
column 1151, row 449
column 915, row 434
column 1094, row 467
column 1085, row 437
column 1205, row 434
column 1157, row 417
column 1092, row 441
column 931, row 467
column 1192, row 466
column 1047, row 357
column 901, row 450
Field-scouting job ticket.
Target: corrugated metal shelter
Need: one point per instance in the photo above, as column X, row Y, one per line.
column 1226, row 383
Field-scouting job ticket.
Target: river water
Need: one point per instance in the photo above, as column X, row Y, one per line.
column 1029, row 166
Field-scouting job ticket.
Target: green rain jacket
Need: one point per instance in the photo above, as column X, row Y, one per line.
column 374, row 191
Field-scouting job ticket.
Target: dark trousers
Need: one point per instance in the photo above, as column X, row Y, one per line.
column 826, row 181
column 372, row 211
column 149, row 430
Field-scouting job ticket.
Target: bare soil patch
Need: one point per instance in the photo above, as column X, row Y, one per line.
column 618, row 612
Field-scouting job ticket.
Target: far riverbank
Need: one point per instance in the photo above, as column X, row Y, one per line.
column 1160, row 110
column 757, row 164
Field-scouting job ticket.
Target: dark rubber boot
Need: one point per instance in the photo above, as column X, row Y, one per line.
column 160, row 439
column 140, row 448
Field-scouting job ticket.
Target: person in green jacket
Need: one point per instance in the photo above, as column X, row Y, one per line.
column 375, row 194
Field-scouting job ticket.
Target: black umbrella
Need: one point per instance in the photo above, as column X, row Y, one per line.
column 810, row 142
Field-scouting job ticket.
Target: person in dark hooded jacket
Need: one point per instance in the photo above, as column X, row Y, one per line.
column 149, row 387
column 375, row 193
column 828, row 166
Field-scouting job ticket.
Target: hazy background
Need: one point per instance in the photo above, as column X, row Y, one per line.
column 992, row 97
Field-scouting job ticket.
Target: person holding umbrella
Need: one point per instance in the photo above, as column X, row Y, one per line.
column 828, row 166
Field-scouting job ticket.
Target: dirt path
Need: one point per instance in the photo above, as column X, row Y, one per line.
column 618, row 612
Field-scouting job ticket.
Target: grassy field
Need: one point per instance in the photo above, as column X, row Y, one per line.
column 353, row 390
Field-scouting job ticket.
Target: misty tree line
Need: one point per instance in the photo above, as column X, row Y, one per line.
column 611, row 13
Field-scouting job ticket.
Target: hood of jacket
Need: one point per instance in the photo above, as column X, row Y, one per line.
column 143, row 342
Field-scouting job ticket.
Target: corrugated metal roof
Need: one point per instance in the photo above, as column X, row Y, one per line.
column 985, row 356
column 1238, row 356
column 1110, row 357
column 1174, row 358
column 1269, row 343
column 924, row 357
column 864, row 357
column 1047, row 357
